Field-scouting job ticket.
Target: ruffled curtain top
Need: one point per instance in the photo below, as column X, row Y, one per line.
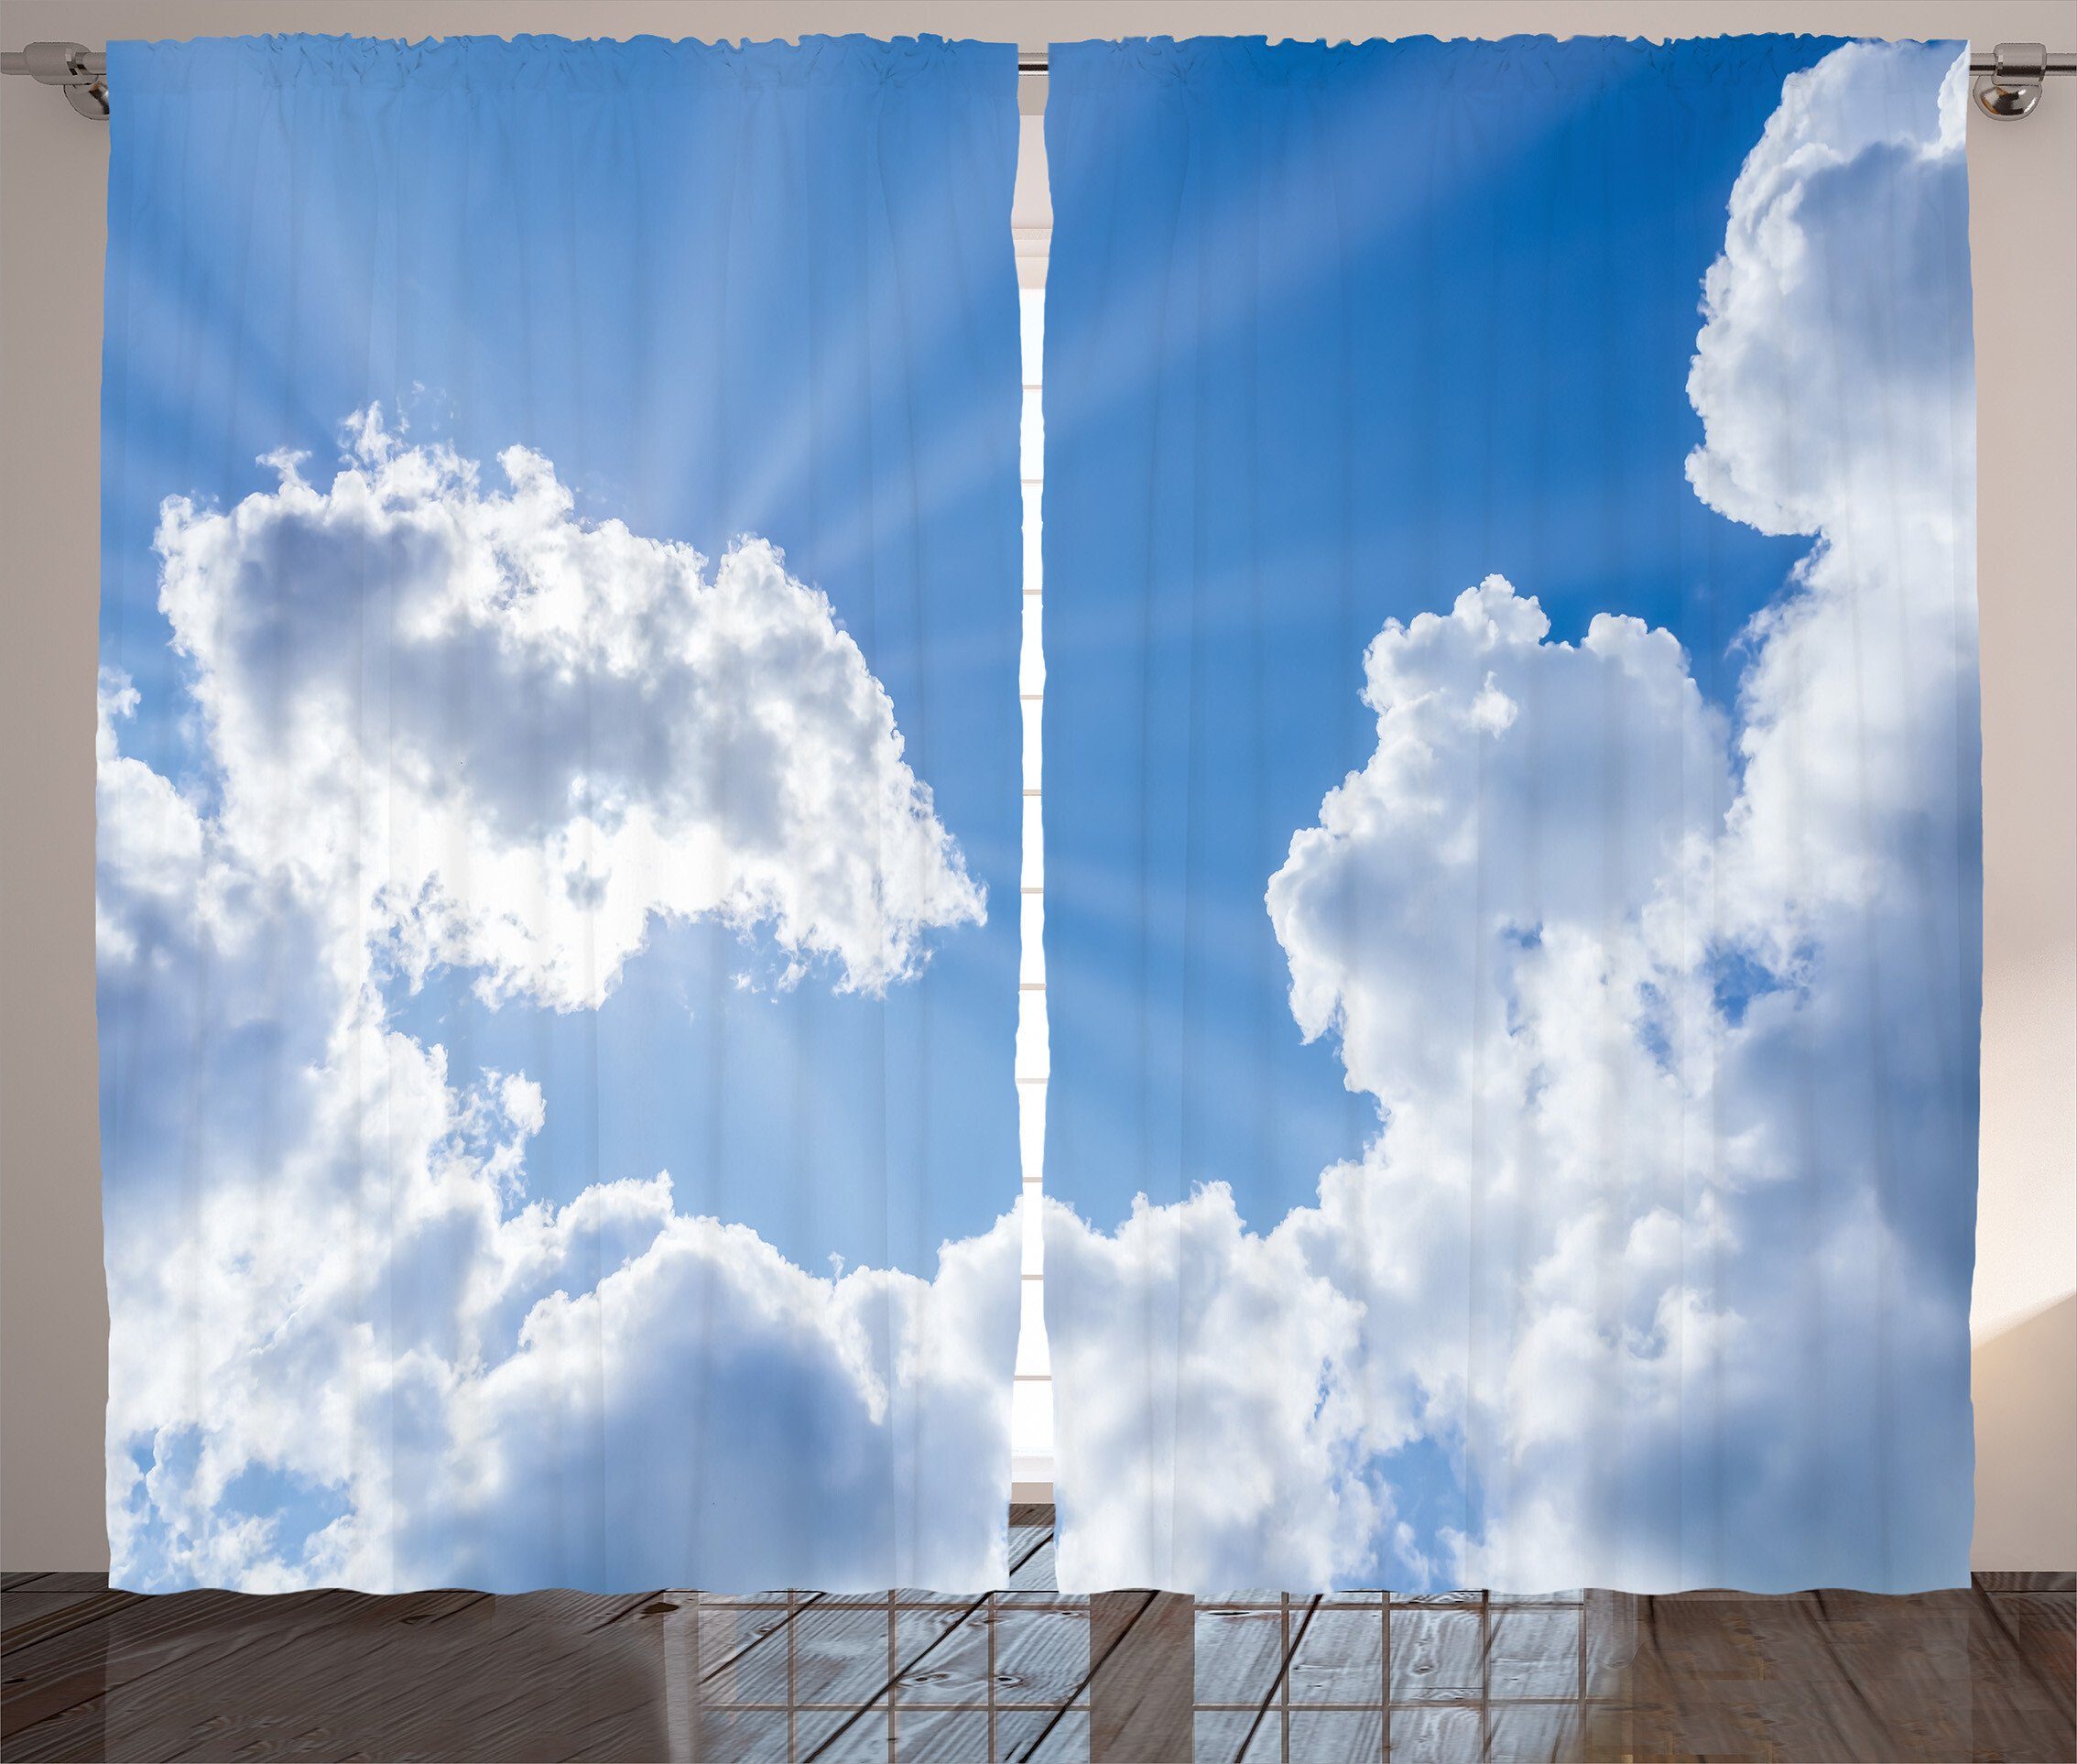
column 592, row 64
column 1501, row 64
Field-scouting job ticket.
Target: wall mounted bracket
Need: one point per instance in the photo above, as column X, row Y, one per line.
column 81, row 72
column 2008, row 79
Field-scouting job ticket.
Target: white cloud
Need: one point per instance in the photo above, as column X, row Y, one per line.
column 1662, row 1241
column 346, row 1348
column 1470, row 828
column 1835, row 381
column 736, row 1413
column 524, row 734
column 1835, row 348
column 1210, row 1364
column 1468, row 918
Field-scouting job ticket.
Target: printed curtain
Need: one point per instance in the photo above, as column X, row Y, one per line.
column 558, row 813
column 1512, row 815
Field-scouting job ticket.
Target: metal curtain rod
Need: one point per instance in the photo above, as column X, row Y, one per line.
column 2007, row 84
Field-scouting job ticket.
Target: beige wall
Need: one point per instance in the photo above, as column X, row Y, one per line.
column 2023, row 182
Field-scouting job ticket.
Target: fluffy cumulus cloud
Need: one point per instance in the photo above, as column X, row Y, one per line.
column 451, row 724
column 528, row 734
column 1655, row 1272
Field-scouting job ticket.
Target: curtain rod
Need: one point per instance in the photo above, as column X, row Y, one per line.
column 2007, row 84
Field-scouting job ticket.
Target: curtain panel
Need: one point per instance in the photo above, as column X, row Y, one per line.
column 1511, row 828
column 559, row 815
column 1511, row 843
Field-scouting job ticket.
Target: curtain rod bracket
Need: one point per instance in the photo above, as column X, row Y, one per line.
column 2007, row 83
column 81, row 72
column 2010, row 86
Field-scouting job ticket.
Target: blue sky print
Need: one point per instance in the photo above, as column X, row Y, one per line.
column 558, row 813
column 1513, row 859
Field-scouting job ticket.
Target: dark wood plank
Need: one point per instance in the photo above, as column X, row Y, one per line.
column 1843, row 1676
column 61, row 1580
column 2059, row 1581
column 35, row 1613
column 1031, row 1557
column 2023, row 1648
column 1142, row 1649
column 334, row 1674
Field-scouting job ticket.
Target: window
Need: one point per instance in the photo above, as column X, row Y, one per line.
column 1031, row 1413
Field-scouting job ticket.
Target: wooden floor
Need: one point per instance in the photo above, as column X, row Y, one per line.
column 1027, row 1673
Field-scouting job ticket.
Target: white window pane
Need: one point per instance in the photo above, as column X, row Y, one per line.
column 1032, row 1356
column 1031, row 1431
column 1034, row 845
column 1031, row 302
column 1034, row 1228
column 1031, row 954
column 1031, row 447
column 1031, row 1129
column 1033, row 755
column 1032, row 1059
column 1034, row 564
column 1031, row 659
